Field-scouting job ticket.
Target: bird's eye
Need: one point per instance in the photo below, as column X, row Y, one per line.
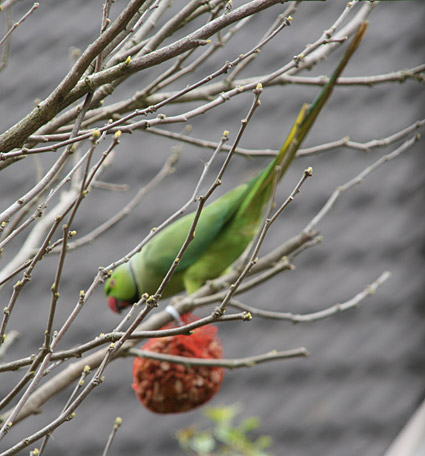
column 112, row 283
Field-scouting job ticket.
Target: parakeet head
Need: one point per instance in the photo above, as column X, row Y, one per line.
column 121, row 288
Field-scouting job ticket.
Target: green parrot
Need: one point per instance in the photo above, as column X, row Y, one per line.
column 225, row 227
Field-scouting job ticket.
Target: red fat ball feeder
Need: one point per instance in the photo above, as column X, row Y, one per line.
column 165, row 387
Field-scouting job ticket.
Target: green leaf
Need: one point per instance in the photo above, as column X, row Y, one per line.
column 224, row 414
column 202, row 442
column 184, row 435
column 230, row 436
column 263, row 442
column 250, row 424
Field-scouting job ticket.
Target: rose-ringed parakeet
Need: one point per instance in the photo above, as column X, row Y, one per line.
column 225, row 227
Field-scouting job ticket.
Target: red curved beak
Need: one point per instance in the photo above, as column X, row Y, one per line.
column 113, row 304
column 116, row 305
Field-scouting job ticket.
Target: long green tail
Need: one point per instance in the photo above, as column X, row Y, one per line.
column 303, row 124
column 317, row 105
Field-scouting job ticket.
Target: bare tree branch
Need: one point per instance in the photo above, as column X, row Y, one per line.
column 369, row 290
column 250, row 361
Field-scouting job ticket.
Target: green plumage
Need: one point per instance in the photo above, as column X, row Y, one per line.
column 225, row 227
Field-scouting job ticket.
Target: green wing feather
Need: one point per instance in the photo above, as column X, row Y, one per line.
column 159, row 253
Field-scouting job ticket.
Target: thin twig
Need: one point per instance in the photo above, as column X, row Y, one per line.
column 271, row 271
column 203, row 199
column 33, row 240
column 306, row 59
column 249, row 361
column 43, row 358
column 153, row 108
column 134, row 336
column 48, row 108
column 343, row 142
column 78, row 386
column 302, row 61
column 6, row 48
column 263, row 231
column 167, row 169
column 19, row 22
column 9, row 339
column 369, row 290
column 117, row 425
column 282, row 18
column 357, row 180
